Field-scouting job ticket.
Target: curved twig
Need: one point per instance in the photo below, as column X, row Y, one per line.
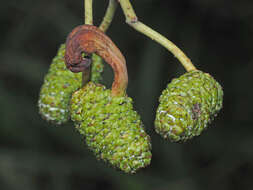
column 132, row 20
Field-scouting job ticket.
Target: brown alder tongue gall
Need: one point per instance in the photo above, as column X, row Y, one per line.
column 90, row 39
column 106, row 118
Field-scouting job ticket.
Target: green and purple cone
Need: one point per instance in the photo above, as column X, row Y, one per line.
column 112, row 129
column 187, row 105
column 58, row 86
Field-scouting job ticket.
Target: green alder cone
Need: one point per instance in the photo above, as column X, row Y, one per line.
column 97, row 68
column 187, row 105
column 112, row 129
column 58, row 86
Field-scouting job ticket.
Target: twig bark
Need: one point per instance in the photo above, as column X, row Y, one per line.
column 88, row 19
column 112, row 6
column 132, row 20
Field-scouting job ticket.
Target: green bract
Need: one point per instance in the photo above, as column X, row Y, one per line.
column 58, row 86
column 112, row 129
column 187, row 105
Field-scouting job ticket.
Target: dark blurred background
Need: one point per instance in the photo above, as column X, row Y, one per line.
column 215, row 34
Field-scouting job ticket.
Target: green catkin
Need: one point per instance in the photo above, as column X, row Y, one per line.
column 58, row 86
column 187, row 106
column 112, row 129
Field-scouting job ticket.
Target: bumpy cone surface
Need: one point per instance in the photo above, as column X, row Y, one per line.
column 97, row 68
column 112, row 129
column 58, row 86
column 187, row 105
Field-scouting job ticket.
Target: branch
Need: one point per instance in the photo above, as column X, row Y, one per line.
column 112, row 6
column 88, row 19
column 132, row 20
column 88, row 15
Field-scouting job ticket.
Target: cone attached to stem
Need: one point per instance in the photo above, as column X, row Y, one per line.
column 58, row 86
column 112, row 129
column 57, row 89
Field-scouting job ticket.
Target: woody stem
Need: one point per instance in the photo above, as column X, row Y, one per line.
column 112, row 6
column 88, row 19
column 132, row 20
column 88, row 15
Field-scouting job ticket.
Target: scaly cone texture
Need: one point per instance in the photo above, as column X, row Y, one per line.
column 112, row 129
column 58, row 86
column 187, row 105
column 97, row 68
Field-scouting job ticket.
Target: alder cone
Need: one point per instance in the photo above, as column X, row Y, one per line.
column 59, row 84
column 187, row 106
column 112, row 129
column 97, row 67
